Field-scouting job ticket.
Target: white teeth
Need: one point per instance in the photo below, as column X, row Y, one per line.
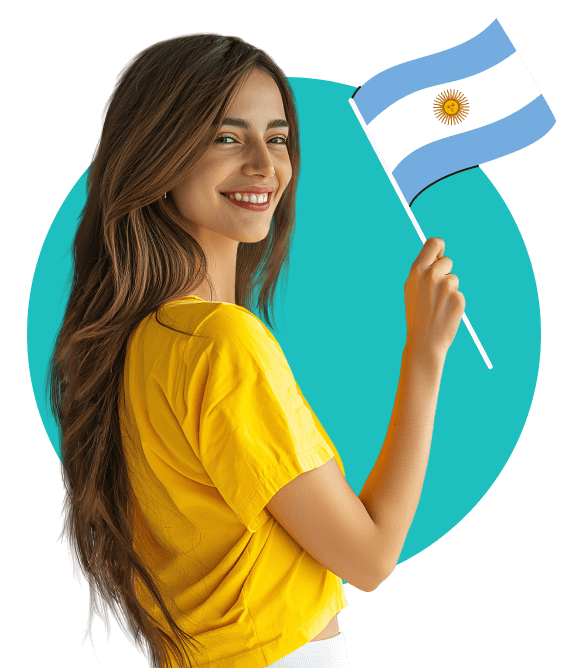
column 254, row 199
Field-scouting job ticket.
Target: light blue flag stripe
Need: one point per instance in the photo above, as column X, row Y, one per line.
column 476, row 55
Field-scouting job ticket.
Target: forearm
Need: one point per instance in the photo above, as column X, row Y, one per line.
column 392, row 490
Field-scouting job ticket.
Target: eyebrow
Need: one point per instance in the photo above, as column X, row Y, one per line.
column 242, row 123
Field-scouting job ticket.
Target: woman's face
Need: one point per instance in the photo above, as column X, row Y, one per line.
column 239, row 159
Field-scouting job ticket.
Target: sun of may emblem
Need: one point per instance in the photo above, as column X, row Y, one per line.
column 451, row 107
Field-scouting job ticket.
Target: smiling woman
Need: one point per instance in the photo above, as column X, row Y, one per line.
column 180, row 418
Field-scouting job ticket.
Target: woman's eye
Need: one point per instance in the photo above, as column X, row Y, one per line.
column 283, row 140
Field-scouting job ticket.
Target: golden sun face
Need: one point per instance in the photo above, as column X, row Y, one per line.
column 451, row 107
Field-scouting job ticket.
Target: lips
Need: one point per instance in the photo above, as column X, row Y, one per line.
column 251, row 206
column 249, row 194
column 250, row 189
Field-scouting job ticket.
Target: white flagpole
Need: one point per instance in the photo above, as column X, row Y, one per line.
column 413, row 219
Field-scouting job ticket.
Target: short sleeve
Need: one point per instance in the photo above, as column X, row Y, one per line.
column 255, row 433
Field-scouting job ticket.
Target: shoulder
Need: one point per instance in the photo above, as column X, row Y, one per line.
column 234, row 329
column 233, row 320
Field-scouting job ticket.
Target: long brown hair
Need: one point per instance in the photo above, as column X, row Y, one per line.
column 131, row 256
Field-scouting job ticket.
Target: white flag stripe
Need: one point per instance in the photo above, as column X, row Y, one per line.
column 410, row 123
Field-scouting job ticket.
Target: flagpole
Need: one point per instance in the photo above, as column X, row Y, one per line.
column 412, row 218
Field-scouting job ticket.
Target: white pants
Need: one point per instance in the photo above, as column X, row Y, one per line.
column 330, row 653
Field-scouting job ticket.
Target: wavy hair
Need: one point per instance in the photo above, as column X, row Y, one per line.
column 132, row 255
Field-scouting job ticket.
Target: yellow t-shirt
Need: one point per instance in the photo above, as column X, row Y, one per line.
column 213, row 426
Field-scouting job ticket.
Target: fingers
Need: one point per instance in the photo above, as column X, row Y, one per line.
column 432, row 250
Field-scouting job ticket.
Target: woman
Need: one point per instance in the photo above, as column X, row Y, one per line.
column 204, row 498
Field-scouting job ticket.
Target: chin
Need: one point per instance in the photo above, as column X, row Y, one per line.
column 253, row 235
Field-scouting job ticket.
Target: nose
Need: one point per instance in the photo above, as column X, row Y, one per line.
column 258, row 160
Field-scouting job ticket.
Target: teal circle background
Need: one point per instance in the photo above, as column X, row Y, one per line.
column 342, row 325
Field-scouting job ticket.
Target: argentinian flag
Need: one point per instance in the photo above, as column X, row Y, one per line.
column 438, row 115
column 432, row 117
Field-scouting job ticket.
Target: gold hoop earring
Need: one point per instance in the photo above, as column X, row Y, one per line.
column 165, row 195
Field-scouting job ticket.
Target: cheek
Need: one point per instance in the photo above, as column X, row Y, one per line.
column 197, row 190
column 193, row 203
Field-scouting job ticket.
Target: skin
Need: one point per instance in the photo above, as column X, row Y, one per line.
column 247, row 158
column 251, row 157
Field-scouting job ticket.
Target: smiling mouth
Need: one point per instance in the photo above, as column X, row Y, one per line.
column 268, row 200
column 252, row 206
